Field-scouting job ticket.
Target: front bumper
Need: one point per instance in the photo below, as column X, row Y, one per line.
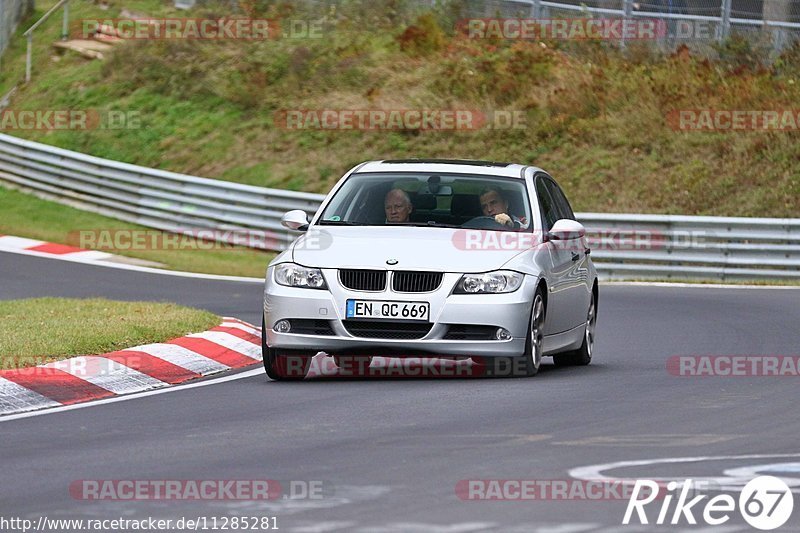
column 510, row 311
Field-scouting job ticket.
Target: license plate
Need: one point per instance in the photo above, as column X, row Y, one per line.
column 388, row 310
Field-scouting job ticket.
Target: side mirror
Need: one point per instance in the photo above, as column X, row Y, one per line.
column 566, row 230
column 295, row 219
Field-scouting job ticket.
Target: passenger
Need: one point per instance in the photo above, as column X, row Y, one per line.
column 397, row 206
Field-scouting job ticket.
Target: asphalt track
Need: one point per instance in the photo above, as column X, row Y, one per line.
column 390, row 452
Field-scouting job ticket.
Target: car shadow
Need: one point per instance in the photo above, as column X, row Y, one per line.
column 324, row 370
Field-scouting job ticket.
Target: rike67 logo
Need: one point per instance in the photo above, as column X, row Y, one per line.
column 765, row 503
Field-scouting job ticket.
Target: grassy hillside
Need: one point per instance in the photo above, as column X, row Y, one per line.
column 594, row 117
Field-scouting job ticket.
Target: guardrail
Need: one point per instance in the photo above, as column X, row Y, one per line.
column 694, row 247
column 623, row 246
column 155, row 198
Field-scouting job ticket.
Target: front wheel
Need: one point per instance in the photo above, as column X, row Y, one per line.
column 531, row 360
column 528, row 363
column 583, row 355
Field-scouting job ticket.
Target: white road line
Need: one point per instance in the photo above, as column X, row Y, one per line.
column 596, row 472
column 183, row 357
column 165, row 390
column 11, row 244
column 420, row 527
column 565, row 528
column 136, row 268
column 15, row 397
column 91, row 255
column 231, row 342
column 325, row 527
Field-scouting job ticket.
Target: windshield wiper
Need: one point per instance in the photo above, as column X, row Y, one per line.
column 430, row 223
column 338, row 223
column 442, row 224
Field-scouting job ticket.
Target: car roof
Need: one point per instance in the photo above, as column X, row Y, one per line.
column 444, row 166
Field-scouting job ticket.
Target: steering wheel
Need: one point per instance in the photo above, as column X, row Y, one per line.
column 483, row 222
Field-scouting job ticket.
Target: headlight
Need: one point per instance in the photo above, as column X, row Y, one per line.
column 293, row 275
column 495, row 282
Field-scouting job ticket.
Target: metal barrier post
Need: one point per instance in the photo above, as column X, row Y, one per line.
column 627, row 7
column 28, row 58
column 29, row 33
column 725, row 20
column 3, row 21
column 65, row 22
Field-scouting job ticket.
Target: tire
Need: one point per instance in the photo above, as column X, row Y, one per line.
column 527, row 364
column 583, row 355
column 531, row 360
column 276, row 365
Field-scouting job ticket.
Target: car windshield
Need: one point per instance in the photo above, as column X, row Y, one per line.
column 430, row 199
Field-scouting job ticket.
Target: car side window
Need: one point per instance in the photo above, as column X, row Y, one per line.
column 549, row 210
column 560, row 199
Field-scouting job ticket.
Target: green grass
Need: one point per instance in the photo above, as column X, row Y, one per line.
column 24, row 215
column 88, row 326
column 594, row 116
column 45, row 58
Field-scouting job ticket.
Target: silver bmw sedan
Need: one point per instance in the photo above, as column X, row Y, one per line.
column 439, row 258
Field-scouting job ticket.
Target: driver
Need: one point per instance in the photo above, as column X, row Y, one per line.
column 494, row 204
column 397, row 206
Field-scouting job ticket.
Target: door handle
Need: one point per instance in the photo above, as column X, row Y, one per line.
column 587, row 251
column 575, row 256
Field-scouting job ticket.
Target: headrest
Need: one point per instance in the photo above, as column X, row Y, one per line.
column 426, row 202
column 465, row 205
column 516, row 206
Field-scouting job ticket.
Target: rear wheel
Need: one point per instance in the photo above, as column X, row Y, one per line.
column 282, row 366
column 583, row 355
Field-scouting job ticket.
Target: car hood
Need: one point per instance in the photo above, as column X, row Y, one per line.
column 414, row 248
